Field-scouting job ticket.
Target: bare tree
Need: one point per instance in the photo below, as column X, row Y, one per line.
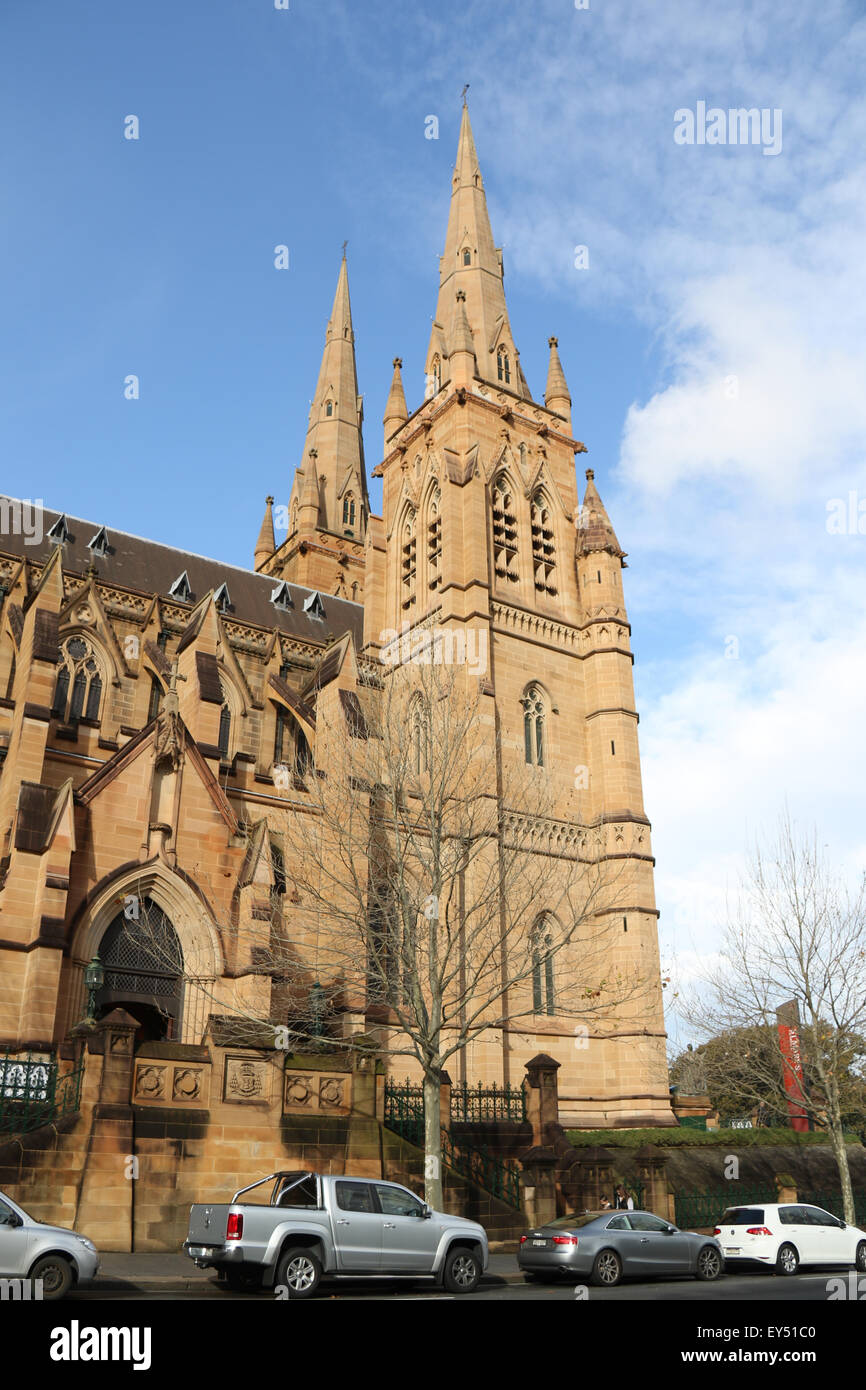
column 433, row 887
column 797, row 936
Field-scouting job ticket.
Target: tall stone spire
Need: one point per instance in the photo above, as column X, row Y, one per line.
column 473, row 263
column 335, row 421
column 557, row 396
column 266, row 544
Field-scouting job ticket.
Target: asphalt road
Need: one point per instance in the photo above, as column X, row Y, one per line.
column 173, row 1278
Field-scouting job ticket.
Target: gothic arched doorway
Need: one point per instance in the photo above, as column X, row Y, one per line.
column 142, row 958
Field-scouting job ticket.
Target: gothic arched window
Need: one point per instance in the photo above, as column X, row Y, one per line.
column 408, row 560
column 348, row 510
column 533, row 726
column 143, row 962
column 543, row 992
column 467, row 256
column 225, row 733
column 329, row 408
column 504, row 530
column 503, row 366
column 543, row 549
column 418, row 740
column 78, row 691
column 435, row 375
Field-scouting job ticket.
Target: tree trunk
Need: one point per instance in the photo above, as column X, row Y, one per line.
column 432, row 1142
column 840, row 1153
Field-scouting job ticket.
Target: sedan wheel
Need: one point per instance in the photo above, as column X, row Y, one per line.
column 709, row 1263
column 607, row 1270
column 56, row 1275
column 860, row 1257
column 787, row 1260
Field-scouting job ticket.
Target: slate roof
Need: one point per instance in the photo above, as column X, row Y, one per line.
column 151, row 568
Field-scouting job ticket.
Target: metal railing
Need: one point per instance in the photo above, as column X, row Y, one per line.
column 705, row 1208
column 485, row 1104
column 33, row 1093
column 404, row 1114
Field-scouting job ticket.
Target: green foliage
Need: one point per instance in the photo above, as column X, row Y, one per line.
column 677, row 1138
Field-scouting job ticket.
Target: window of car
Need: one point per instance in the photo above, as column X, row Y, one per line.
column 644, row 1221
column 5, row 1213
column 354, row 1196
column 743, row 1216
column 793, row 1216
column 816, row 1216
column 299, row 1194
column 620, row 1223
column 396, row 1201
column 567, row 1223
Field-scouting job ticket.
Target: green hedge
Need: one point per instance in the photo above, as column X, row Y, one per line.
column 677, row 1137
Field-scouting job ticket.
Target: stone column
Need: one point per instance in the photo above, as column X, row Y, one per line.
column 538, row 1185
column 652, row 1173
column 596, row 1178
column 542, row 1096
column 104, row 1210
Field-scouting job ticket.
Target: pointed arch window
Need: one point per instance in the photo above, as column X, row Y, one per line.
column 420, row 762
column 434, row 539
column 543, row 984
column 225, row 733
column 78, row 692
column 503, row 366
column 543, row 547
column 349, row 510
column 155, row 699
column 436, row 374
column 533, row 727
column 467, row 256
column 294, row 517
column 329, row 408
column 408, row 561
column 504, row 530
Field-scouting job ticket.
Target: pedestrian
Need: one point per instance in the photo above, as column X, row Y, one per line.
column 623, row 1201
column 605, row 1204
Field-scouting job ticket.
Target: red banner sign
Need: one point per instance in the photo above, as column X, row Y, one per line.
column 789, row 1038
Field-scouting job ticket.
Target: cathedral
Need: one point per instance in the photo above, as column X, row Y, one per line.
column 160, row 709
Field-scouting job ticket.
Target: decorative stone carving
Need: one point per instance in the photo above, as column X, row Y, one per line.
column 247, row 1080
column 319, row 1093
column 150, row 1083
column 186, row 1084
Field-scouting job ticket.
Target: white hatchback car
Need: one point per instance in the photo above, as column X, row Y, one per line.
column 785, row 1235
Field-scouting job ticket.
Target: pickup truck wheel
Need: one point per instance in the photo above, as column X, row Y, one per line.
column 56, row 1275
column 462, row 1270
column 299, row 1271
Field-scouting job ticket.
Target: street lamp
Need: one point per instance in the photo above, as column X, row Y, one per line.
column 94, row 979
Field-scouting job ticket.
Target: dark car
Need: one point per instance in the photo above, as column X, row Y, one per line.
column 604, row 1246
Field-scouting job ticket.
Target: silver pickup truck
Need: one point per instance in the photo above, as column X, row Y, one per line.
column 319, row 1226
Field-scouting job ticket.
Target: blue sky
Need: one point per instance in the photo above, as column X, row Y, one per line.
column 714, row 346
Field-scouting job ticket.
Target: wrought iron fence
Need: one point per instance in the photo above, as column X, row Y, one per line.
column 705, row 1208
column 32, row 1093
column 404, row 1113
column 484, row 1104
column 832, row 1202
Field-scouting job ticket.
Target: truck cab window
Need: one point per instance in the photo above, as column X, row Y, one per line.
column 354, row 1196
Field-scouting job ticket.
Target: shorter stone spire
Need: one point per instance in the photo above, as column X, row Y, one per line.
column 308, row 501
column 266, row 544
column 461, row 349
column 557, row 396
column 395, row 410
column 594, row 531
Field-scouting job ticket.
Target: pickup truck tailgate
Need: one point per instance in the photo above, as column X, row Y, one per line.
column 207, row 1224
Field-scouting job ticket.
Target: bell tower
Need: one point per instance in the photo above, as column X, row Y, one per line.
column 482, row 530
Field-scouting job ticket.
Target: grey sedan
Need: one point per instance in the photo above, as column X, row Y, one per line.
column 603, row 1246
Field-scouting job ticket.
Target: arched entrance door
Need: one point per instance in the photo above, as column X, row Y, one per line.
column 143, row 962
